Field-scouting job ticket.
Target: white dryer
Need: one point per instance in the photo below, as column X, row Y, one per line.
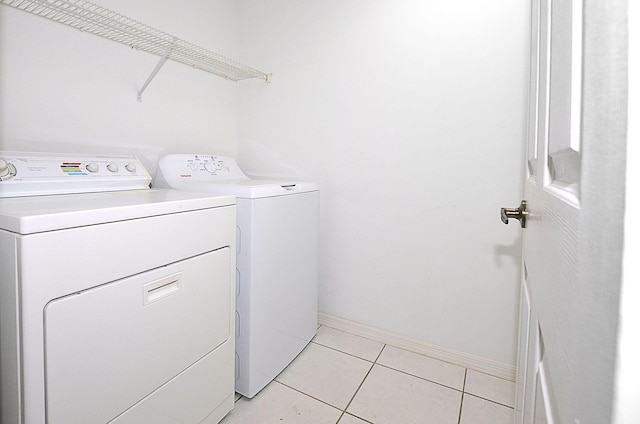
column 277, row 261
column 116, row 305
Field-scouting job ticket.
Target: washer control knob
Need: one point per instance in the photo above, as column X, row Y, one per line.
column 113, row 167
column 7, row 170
column 131, row 167
column 210, row 166
column 92, row 167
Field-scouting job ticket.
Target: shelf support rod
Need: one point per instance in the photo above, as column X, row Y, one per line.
column 163, row 59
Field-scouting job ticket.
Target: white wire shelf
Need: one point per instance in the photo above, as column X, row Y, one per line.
column 95, row 19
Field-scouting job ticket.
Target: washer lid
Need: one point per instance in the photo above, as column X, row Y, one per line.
column 27, row 215
column 249, row 189
column 220, row 175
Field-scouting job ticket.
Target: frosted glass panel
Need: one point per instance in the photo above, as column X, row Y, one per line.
column 576, row 75
column 565, row 97
column 535, row 93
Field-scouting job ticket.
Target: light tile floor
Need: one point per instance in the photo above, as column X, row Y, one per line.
column 341, row 378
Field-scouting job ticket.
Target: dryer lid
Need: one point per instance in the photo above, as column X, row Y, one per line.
column 27, row 215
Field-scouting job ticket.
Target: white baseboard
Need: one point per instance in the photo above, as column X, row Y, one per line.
column 487, row 366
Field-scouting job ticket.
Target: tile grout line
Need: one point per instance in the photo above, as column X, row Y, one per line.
column 464, row 389
column 489, row 400
column 344, row 411
column 464, row 383
column 307, row 395
column 375, row 361
column 421, row 378
column 360, row 386
column 358, row 389
column 346, row 353
column 352, row 334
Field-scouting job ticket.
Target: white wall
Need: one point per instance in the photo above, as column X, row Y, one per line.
column 411, row 117
column 62, row 90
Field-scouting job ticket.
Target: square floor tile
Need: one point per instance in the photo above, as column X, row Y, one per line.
column 490, row 387
column 278, row 404
column 391, row 397
column 348, row 343
column 326, row 374
column 481, row 411
column 423, row 366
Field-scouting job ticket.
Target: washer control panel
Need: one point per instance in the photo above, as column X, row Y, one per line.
column 32, row 174
column 205, row 168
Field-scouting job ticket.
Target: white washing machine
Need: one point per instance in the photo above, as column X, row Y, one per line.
column 116, row 305
column 277, row 261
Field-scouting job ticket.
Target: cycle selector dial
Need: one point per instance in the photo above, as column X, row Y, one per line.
column 113, row 167
column 4, row 168
column 131, row 167
column 7, row 170
column 210, row 166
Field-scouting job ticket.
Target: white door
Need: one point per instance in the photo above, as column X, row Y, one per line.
column 574, row 190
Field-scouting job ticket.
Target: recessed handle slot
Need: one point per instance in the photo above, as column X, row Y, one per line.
column 289, row 186
column 159, row 289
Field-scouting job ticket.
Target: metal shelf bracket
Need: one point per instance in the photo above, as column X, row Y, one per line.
column 161, row 62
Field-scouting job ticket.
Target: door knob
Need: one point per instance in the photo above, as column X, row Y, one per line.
column 518, row 213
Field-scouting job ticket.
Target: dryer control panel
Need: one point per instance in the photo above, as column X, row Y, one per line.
column 33, row 174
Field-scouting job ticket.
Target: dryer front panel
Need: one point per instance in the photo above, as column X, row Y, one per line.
column 109, row 347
